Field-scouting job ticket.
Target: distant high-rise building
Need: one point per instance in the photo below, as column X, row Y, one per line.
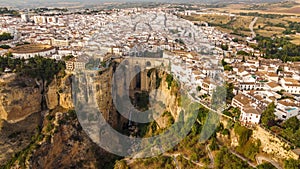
column 52, row 20
column 25, row 18
column 39, row 19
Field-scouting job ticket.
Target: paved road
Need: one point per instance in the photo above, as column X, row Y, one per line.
column 251, row 27
column 260, row 159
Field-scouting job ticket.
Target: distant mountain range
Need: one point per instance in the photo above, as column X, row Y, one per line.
column 82, row 3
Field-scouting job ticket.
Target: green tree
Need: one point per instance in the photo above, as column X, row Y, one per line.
column 268, row 116
column 292, row 164
column 243, row 133
column 266, row 166
column 229, row 94
column 4, row 46
column 292, row 123
column 198, row 88
column 5, row 36
column 224, row 47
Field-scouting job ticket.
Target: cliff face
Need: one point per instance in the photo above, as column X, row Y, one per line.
column 105, row 102
column 21, row 107
column 62, row 142
column 68, row 146
column 159, row 92
column 15, row 137
column 169, row 96
column 59, row 93
column 22, row 97
column 19, row 98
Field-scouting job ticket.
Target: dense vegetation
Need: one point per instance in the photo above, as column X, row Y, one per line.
column 291, row 130
column 37, row 67
column 4, row 46
column 225, row 160
column 5, row 36
column 169, row 80
column 272, row 16
column 279, row 48
column 249, row 148
column 4, row 10
column 266, row 166
column 268, row 117
column 292, row 164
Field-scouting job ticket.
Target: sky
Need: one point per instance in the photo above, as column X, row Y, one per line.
column 66, row 3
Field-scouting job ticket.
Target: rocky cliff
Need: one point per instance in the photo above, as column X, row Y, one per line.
column 47, row 134
column 23, row 102
column 59, row 93
column 19, row 98
column 159, row 92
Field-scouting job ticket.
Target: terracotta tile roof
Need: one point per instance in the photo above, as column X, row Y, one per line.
column 242, row 99
column 251, row 110
column 273, row 84
column 287, row 102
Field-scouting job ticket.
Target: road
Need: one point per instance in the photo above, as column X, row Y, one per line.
column 204, row 105
column 251, row 27
column 178, row 154
column 243, row 158
column 260, row 159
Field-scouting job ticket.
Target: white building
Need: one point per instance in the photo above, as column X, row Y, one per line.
column 60, row 42
column 32, row 50
column 286, row 109
column 290, row 85
column 25, row 18
column 273, row 86
column 75, row 64
column 250, row 115
column 208, row 86
column 39, row 19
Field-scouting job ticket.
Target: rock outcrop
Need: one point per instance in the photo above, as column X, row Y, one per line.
column 23, row 101
column 65, row 92
column 69, row 147
column 158, row 93
column 22, row 97
column 19, row 99
column 14, row 137
column 59, row 93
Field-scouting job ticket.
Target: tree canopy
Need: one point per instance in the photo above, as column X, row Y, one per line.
column 279, row 48
column 268, row 116
column 5, row 36
column 37, row 67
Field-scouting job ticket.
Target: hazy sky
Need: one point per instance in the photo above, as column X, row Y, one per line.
column 63, row 3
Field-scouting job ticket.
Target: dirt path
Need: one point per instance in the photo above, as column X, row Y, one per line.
column 211, row 157
column 251, row 27
column 260, row 159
